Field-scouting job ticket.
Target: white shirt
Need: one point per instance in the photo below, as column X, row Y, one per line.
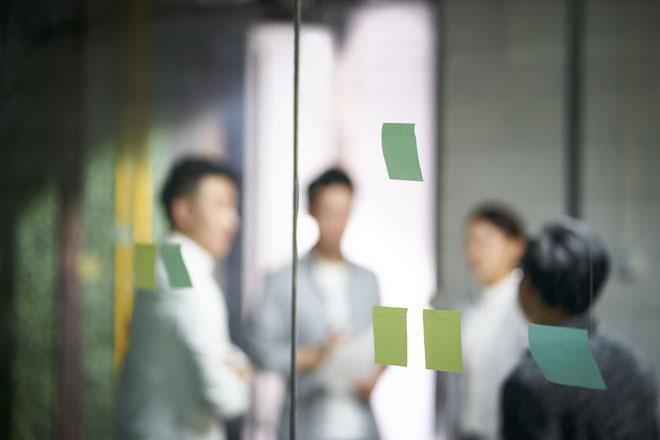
column 494, row 337
column 176, row 380
column 343, row 413
column 331, row 277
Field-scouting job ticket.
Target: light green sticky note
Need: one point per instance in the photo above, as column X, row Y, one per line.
column 174, row 266
column 400, row 151
column 145, row 267
column 390, row 335
column 564, row 357
column 442, row 340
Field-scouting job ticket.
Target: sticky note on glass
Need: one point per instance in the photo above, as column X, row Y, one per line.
column 390, row 335
column 564, row 357
column 442, row 340
column 174, row 266
column 145, row 267
column 400, row 151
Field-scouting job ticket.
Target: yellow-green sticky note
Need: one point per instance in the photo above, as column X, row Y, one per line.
column 442, row 340
column 145, row 267
column 174, row 266
column 390, row 335
column 400, row 151
column 564, row 357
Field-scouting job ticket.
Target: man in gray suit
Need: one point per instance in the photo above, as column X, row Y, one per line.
column 334, row 314
column 565, row 268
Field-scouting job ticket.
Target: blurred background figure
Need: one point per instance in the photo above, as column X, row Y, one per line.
column 493, row 328
column 566, row 266
column 336, row 296
column 182, row 377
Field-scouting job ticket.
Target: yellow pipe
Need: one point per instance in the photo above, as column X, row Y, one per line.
column 133, row 223
column 133, row 180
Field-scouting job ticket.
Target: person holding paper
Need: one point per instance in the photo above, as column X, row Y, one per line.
column 493, row 326
column 565, row 268
column 336, row 367
column 182, row 378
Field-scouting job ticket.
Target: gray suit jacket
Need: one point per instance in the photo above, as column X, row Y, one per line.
column 533, row 408
column 268, row 333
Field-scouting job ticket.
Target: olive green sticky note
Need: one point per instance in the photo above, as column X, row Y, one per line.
column 145, row 267
column 174, row 266
column 564, row 357
column 442, row 340
column 400, row 151
column 390, row 335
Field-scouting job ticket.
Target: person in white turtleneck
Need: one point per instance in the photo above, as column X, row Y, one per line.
column 494, row 328
column 182, row 377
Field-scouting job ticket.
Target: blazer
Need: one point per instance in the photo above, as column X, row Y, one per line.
column 268, row 335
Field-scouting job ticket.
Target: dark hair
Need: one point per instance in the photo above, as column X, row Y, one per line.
column 568, row 263
column 184, row 178
column 332, row 176
column 501, row 216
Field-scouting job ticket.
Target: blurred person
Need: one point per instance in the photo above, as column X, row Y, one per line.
column 335, row 301
column 182, row 377
column 565, row 268
column 493, row 328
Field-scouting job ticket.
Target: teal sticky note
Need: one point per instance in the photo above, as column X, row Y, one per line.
column 145, row 267
column 174, row 266
column 564, row 357
column 390, row 335
column 400, row 151
column 442, row 340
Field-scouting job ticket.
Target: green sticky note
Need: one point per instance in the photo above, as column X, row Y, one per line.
column 400, row 151
column 145, row 267
column 564, row 357
column 390, row 335
column 174, row 266
column 442, row 340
